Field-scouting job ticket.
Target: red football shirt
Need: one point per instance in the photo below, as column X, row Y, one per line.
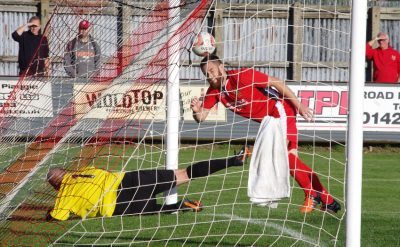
column 243, row 94
column 386, row 64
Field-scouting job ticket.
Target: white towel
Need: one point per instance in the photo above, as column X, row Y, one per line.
column 269, row 165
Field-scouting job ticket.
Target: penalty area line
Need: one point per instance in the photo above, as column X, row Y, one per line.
column 261, row 222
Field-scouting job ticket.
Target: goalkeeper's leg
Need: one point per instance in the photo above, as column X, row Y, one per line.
column 205, row 168
column 198, row 170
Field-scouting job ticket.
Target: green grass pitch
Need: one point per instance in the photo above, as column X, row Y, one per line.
column 228, row 218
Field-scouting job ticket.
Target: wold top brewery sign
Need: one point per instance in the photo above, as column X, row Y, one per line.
column 119, row 101
column 134, row 102
column 26, row 99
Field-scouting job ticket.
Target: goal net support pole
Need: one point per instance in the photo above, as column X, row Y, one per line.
column 355, row 123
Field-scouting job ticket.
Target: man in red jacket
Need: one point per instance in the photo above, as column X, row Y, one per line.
column 386, row 59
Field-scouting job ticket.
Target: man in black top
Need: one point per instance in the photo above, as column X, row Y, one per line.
column 33, row 48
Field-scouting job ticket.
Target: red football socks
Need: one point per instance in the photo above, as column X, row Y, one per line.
column 308, row 179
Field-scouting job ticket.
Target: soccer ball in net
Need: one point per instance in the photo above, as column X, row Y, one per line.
column 203, row 44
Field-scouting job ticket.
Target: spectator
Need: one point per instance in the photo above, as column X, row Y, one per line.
column 386, row 59
column 33, row 51
column 82, row 54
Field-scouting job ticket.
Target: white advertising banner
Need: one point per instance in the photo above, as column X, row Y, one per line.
column 30, row 98
column 119, row 101
column 139, row 102
column 330, row 105
column 381, row 105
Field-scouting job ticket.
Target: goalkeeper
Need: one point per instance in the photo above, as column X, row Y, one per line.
column 93, row 192
column 248, row 93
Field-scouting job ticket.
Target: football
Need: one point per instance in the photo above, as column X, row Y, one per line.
column 203, row 44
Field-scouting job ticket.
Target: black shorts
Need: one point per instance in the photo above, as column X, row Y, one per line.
column 137, row 191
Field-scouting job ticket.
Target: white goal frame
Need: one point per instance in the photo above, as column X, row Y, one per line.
column 355, row 124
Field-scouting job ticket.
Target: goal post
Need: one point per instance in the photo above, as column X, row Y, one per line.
column 356, row 112
column 173, row 104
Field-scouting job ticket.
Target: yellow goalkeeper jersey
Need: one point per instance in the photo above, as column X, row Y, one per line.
column 90, row 192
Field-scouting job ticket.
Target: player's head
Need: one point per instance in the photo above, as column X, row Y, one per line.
column 383, row 40
column 84, row 28
column 213, row 68
column 34, row 26
column 55, row 177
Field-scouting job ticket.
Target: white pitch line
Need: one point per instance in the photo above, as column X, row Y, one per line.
column 291, row 232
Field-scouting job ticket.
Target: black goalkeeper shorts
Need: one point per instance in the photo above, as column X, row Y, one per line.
column 138, row 190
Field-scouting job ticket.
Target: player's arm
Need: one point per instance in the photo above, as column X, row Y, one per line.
column 199, row 112
column 287, row 93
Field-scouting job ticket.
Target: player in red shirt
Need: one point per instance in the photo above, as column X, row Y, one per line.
column 386, row 59
column 248, row 92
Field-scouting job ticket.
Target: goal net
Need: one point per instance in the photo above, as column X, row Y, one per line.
column 113, row 115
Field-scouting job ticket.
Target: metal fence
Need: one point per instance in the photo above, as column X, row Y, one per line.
column 381, row 3
column 255, row 34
